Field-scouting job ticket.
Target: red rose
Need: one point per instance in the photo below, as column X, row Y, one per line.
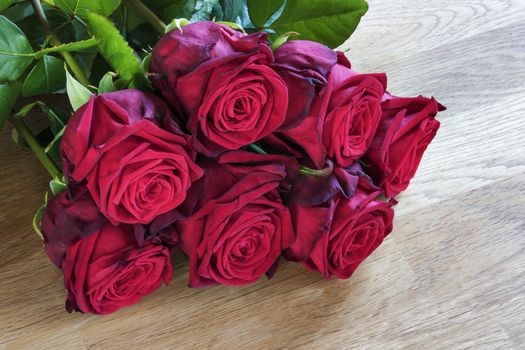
column 304, row 66
column 240, row 227
column 70, row 216
column 355, row 227
column 221, row 80
column 353, row 113
column 311, row 204
column 104, row 267
column 108, row 270
column 342, row 119
column 407, row 127
column 130, row 153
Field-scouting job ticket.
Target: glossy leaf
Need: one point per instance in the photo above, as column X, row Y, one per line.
column 47, row 76
column 329, row 22
column 5, row 4
column 174, row 9
column 81, row 8
column 9, row 93
column 19, row 11
column 232, row 9
column 203, row 10
column 16, row 53
column 77, row 93
column 261, row 11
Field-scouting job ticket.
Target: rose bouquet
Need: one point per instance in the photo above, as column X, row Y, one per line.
column 229, row 142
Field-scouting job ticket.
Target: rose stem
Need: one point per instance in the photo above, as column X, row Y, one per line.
column 68, row 57
column 257, row 149
column 150, row 16
column 47, row 162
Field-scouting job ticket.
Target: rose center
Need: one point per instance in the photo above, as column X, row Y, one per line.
column 239, row 107
column 358, row 124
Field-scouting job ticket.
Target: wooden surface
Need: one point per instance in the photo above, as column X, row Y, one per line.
column 452, row 274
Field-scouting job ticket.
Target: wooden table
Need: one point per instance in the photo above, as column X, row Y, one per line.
column 452, row 274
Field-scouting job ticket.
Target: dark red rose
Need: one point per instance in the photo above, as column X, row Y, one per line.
column 311, row 204
column 333, row 238
column 407, row 127
column 342, row 119
column 353, row 113
column 70, row 216
column 304, row 66
column 128, row 150
column 222, row 82
column 240, row 226
column 107, row 270
column 104, row 267
column 358, row 227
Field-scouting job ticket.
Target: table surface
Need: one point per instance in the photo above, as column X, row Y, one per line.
column 452, row 274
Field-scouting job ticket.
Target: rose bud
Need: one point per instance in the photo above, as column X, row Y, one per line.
column 407, row 127
column 358, row 226
column 130, row 153
column 342, row 119
column 104, row 267
column 240, row 226
column 221, row 81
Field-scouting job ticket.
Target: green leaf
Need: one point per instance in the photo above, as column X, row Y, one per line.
column 16, row 53
column 5, row 4
column 47, row 76
column 19, row 11
column 329, row 22
column 81, row 8
column 9, row 93
column 106, row 83
column 232, row 9
column 133, row 17
column 114, row 48
column 176, row 9
column 75, row 46
column 78, row 94
column 261, row 10
column 203, row 10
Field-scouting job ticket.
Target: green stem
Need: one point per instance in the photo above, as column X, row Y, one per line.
column 318, row 173
column 257, row 149
column 47, row 162
column 68, row 57
column 150, row 16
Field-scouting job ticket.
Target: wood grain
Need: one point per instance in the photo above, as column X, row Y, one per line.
column 452, row 274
